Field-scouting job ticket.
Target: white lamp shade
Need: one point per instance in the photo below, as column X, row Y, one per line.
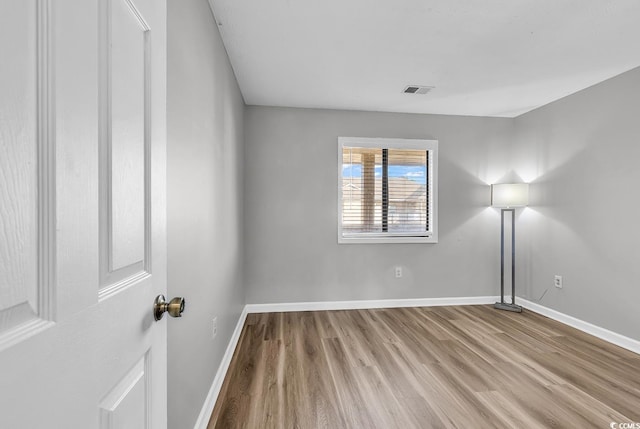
column 510, row 195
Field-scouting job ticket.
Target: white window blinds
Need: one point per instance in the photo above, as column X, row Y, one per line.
column 386, row 192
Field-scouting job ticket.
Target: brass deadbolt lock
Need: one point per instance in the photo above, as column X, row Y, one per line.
column 175, row 307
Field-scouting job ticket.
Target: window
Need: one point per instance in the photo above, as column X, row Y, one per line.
column 387, row 190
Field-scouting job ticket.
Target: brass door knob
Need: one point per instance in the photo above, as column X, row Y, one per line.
column 175, row 307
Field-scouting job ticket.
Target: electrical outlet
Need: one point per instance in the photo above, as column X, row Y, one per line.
column 557, row 281
column 214, row 328
column 398, row 272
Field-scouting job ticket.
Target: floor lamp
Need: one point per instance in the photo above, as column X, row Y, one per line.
column 508, row 196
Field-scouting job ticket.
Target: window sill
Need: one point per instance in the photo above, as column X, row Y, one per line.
column 387, row 240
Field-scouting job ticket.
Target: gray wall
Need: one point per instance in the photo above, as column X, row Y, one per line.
column 291, row 174
column 205, row 151
column 582, row 154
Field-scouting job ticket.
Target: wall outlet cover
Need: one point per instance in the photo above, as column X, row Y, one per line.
column 557, row 281
column 398, row 271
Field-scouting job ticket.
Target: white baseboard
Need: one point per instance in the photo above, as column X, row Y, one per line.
column 596, row 331
column 214, row 391
column 362, row 304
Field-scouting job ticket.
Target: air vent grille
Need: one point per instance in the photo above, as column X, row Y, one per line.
column 417, row 89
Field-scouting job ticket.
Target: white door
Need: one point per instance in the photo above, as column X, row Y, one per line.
column 82, row 213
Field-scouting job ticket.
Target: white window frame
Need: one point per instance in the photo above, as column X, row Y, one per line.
column 430, row 236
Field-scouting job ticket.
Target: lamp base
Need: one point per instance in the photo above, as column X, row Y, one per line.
column 508, row 307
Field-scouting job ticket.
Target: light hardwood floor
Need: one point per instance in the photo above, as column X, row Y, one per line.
column 435, row 367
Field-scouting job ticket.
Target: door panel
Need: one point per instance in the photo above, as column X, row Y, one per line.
column 127, row 404
column 127, row 76
column 82, row 199
column 124, row 159
column 24, row 287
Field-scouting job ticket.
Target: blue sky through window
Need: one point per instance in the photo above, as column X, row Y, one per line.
column 417, row 173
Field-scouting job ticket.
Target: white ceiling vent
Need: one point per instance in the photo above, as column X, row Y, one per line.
column 417, row 89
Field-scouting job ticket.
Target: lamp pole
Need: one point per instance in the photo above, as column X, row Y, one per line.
column 507, row 197
column 503, row 305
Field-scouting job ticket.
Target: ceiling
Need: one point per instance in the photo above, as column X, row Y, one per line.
column 484, row 58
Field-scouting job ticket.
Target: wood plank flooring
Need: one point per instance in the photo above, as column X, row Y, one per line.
column 435, row 367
